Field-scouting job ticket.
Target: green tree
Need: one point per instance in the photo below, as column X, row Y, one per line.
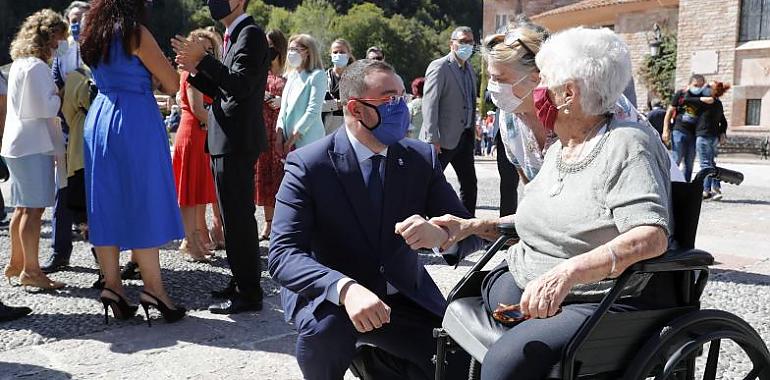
column 280, row 19
column 315, row 17
column 659, row 73
column 260, row 12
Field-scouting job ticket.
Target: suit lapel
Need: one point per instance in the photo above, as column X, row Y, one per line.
column 349, row 173
column 455, row 72
column 396, row 186
column 234, row 37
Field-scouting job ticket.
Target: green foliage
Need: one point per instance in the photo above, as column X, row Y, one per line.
column 315, row 17
column 259, row 11
column 659, row 73
column 280, row 19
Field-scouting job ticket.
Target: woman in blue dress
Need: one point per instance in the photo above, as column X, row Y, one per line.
column 129, row 181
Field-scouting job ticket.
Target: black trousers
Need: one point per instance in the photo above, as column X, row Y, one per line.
column 509, row 180
column 461, row 158
column 327, row 344
column 234, row 179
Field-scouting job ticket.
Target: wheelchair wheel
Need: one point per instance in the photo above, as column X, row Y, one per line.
column 670, row 354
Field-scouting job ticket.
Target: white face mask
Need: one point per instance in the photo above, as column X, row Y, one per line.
column 294, row 59
column 503, row 97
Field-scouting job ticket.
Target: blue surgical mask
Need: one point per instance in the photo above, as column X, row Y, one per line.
column 340, row 60
column 695, row 90
column 464, row 51
column 706, row 91
column 75, row 30
column 393, row 121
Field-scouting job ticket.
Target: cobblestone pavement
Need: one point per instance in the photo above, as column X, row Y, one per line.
column 66, row 337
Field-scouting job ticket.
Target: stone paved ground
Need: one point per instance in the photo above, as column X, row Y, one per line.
column 66, row 336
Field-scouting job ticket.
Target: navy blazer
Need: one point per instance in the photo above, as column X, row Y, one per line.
column 323, row 231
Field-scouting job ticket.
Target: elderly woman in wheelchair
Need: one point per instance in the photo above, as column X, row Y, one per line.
column 599, row 204
column 598, row 209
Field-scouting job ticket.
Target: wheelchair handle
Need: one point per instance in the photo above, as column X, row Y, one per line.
column 722, row 174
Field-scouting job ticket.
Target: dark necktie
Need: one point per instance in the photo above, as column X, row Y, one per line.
column 375, row 188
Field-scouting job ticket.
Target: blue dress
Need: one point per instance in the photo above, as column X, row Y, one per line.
column 129, row 181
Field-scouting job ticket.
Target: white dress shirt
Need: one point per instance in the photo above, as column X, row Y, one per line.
column 33, row 105
column 69, row 59
column 364, row 155
column 229, row 31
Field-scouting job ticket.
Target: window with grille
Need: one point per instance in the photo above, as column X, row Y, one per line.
column 755, row 20
column 753, row 111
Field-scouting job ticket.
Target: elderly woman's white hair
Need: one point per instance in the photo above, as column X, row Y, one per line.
column 596, row 59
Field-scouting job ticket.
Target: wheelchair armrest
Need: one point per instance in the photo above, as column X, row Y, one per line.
column 674, row 260
column 508, row 230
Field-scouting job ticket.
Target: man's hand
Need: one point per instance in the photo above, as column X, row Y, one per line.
column 437, row 147
column 189, row 53
column 419, row 233
column 458, row 229
column 365, row 309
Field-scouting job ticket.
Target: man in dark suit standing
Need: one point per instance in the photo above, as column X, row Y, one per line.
column 236, row 136
column 350, row 214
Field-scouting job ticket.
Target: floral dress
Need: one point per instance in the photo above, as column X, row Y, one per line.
column 268, row 171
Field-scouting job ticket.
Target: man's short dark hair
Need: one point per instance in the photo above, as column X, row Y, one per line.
column 353, row 81
column 697, row 77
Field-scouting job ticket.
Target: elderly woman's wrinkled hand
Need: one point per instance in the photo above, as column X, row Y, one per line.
column 456, row 227
column 544, row 295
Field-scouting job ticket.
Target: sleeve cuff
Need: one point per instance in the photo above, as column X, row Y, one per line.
column 449, row 251
column 333, row 295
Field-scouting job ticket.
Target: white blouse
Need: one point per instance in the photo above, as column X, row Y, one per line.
column 33, row 105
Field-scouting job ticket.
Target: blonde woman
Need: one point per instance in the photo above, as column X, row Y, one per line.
column 341, row 54
column 299, row 122
column 31, row 141
column 194, row 182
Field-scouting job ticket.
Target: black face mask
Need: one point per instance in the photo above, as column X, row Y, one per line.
column 219, row 9
column 273, row 54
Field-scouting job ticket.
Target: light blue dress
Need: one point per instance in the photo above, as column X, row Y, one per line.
column 129, row 181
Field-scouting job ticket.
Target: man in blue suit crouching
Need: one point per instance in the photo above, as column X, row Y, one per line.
column 350, row 213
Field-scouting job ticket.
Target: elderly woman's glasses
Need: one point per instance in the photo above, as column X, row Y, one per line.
column 297, row 49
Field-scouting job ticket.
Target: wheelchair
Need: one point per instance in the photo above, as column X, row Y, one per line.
column 662, row 343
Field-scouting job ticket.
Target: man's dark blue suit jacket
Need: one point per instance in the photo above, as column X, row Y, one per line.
column 323, row 228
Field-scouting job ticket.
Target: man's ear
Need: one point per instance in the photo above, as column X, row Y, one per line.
column 354, row 109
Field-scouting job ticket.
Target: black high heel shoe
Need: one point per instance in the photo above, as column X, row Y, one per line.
column 120, row 308
column 169, row 314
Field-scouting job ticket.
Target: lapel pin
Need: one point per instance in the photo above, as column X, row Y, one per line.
column 400, row 162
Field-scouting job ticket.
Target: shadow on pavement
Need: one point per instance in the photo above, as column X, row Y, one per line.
column 745, row 201
column 739, row 277
column 28, row 371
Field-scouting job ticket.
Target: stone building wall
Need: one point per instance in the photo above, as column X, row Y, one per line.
column 636, row 29
column 709, row 25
